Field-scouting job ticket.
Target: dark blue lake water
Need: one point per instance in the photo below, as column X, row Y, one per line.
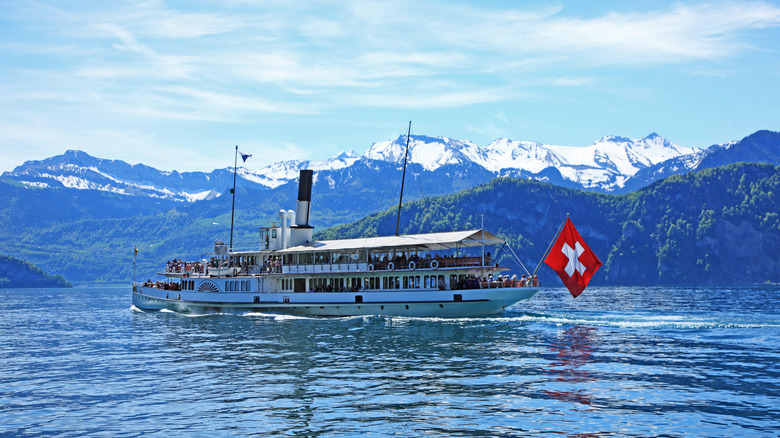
column 613, row 362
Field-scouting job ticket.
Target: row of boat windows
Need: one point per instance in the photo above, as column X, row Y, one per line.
column 336, row 284
column 230, row 286
column 238, row 286
column 374, row 256
column 344, row 257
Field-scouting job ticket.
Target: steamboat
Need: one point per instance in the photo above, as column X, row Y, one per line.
column 449, row 274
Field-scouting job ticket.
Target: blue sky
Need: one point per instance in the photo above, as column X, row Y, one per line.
column 177, row 84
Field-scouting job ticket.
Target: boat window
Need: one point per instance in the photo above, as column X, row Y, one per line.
column 306, row 258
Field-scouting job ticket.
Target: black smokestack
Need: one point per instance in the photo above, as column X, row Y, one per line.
column 304, row 185
column 304, row 198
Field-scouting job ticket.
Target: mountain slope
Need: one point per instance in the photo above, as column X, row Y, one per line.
column 20, row 274
column 759, row 147
column 79, row 170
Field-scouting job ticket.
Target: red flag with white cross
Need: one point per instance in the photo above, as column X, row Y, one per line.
column 572, row 259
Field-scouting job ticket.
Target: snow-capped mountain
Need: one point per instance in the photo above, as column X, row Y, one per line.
column 603, row 166
column 79, row 170
column 611, row 165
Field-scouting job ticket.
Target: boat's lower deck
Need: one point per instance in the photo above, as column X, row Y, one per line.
column 447, row 303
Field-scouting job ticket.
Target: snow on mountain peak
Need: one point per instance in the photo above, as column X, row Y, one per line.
column 606, row 165
column 429, row 152
column 346, row 155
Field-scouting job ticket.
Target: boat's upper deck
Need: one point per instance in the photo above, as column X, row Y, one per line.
column 435, row 251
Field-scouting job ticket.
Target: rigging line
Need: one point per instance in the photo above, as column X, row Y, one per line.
column 500, row 252
column 419, row 182
column 517, row 259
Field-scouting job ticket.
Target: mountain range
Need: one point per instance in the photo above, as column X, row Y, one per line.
column 440, row 165
column 79, row 216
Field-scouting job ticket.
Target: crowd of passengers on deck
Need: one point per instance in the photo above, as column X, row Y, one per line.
column 179, row 266
column 161, row 285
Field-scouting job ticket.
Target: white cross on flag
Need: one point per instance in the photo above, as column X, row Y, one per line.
column 572, row 259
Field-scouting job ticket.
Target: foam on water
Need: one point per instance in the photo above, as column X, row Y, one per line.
column 648, row 321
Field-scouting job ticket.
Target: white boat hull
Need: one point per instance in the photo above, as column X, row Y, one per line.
column 428, row 303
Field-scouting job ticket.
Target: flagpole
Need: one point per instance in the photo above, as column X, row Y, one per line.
column 135, row 254
column 233, row 209
column 549, row 247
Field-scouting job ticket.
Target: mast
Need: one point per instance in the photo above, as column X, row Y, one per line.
column 403, row 178
column 233, row 191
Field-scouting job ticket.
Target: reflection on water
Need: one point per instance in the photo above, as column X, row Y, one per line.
column 573, row 353
column 601, row 366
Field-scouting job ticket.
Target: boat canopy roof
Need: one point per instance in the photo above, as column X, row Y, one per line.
column 430, row 241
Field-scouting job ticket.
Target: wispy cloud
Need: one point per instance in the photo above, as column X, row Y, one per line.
column 355, row 46
column 241, row 60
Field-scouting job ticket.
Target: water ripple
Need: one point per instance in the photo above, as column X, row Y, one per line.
column 621, row 362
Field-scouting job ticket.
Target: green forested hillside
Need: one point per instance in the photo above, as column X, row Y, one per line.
column 717, row 226
column 20, row 274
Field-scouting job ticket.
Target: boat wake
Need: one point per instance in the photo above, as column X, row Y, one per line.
column 628, row 320
column 648, row 321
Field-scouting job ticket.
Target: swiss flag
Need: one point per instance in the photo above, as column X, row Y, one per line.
column 572, row 259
